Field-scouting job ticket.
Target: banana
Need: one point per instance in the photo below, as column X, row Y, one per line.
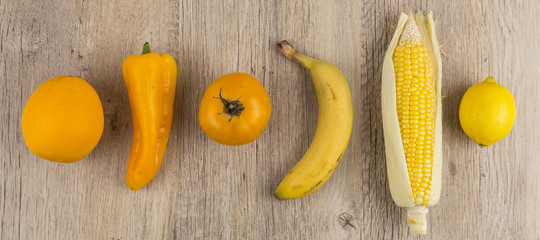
column 333, row 128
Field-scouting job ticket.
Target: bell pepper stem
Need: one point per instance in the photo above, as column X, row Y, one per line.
column 146, row 48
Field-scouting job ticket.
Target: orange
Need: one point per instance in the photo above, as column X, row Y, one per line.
column 63, row 120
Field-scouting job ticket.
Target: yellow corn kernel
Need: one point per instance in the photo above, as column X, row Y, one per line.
column 415, row 91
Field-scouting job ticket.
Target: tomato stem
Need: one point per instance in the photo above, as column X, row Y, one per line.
column 232, row 108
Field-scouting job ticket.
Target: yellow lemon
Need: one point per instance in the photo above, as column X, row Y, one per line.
column 63, row 120
column 487, row 112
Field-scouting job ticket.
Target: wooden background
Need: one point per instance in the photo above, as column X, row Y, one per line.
column 210, row 191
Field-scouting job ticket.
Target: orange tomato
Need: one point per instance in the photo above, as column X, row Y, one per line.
column 234, row 109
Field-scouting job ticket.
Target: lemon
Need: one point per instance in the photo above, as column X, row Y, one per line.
column 487, row 112
column 63, row 120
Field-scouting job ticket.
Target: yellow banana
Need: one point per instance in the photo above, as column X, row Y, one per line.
column 333, row 128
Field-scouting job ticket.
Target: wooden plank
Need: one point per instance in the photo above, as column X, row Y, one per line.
column 205, row 190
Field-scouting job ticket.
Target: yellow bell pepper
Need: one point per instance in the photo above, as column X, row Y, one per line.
column 150, row 80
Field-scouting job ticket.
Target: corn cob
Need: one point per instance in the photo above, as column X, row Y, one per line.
column 411, row 117
column 414, row 99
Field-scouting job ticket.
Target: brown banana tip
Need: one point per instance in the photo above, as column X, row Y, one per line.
column 277, row 197
column 286, row 48
column 284, row 42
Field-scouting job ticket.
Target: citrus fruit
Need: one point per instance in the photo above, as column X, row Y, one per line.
column 63, row 120
column 487, row 112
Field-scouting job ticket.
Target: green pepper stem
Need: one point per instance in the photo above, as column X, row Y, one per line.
column 146, row 48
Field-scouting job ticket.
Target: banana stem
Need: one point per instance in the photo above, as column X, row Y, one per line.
column 290, row 52
column 416, row 216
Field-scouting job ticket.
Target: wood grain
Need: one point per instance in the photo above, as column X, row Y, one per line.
column 210, row 191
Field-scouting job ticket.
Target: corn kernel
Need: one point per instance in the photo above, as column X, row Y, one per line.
column 415, row 106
